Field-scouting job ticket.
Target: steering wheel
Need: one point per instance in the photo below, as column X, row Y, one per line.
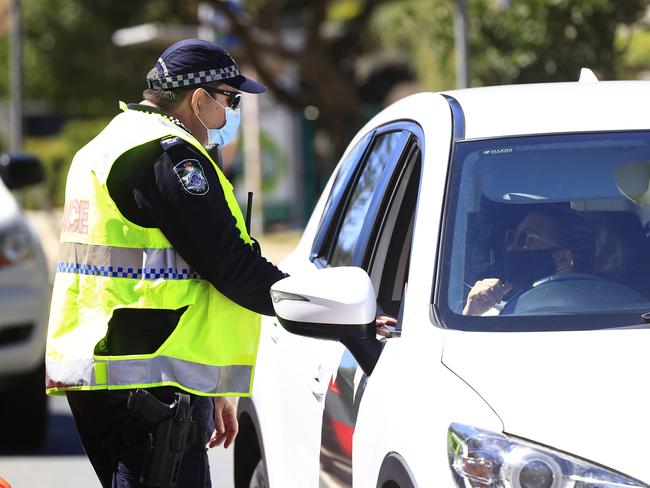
column 566, row 292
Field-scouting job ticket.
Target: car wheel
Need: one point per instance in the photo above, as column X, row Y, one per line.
column 24, row 408
column 258, row 479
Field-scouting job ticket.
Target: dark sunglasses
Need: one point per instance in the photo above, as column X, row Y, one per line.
column 234, row 98
column 524, row 238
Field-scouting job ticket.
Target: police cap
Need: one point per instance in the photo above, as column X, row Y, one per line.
column 195, row 62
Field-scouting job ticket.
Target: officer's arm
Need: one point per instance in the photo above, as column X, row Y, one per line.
column 183, row 197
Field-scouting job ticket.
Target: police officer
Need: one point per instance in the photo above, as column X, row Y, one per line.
column 158, row 287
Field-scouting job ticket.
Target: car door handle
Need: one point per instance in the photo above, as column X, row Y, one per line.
column 275, row 332
column 318, row 385
column 317, row 389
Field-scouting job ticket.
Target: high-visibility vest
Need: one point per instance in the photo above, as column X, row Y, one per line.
column 107, row 262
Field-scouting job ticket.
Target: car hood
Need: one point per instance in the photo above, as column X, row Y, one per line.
column 583, row 392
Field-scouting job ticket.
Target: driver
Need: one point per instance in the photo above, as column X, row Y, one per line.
column 545, row 243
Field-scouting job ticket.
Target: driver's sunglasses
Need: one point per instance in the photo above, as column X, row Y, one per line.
column 234, row 98
column 524, row 238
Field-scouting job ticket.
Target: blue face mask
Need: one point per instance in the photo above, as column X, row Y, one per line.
column 227, row 133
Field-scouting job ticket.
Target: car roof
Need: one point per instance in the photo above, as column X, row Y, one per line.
column 538, row 108
column 554, row 107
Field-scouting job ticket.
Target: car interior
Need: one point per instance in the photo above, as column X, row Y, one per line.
column 602, row 183
column 625, row 242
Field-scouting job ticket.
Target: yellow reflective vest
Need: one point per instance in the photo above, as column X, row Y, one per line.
column 107, row 262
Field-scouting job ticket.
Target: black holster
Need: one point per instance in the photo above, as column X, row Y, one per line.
column 171, row 432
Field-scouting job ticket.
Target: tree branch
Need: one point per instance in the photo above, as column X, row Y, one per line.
column 351, row 40
column 255, row 52
column 270, row 14
column 319, row 14
column 245, row 28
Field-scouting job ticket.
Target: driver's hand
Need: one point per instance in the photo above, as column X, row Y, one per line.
column 484, row 295
column 385, row 324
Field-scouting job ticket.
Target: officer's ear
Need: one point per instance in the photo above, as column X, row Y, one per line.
column 197, row 98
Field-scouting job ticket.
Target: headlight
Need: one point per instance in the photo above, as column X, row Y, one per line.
column 16, row 245
column 482, row 459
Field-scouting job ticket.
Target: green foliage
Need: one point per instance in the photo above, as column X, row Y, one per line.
column 635, row 43
column 69, row 59
column 344, row 10
column 56, row 153
column 71, row 64
column 547, row 40
column 532, row 41
column 421, row 32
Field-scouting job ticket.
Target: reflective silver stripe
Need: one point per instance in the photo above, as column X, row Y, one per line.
column 123, row 262
column 199, row 377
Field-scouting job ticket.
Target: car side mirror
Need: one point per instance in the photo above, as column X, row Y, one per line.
column 19, row 170
column 334, row 304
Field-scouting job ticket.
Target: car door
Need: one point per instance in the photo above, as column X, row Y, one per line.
column 294, row 371
column 372, row 230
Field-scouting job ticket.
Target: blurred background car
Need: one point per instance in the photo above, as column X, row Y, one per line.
column 24, row 304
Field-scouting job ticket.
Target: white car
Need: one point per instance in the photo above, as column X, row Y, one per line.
column 24, row 305
column 535, row 380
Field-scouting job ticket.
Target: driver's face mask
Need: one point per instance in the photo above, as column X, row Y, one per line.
column 523, row 268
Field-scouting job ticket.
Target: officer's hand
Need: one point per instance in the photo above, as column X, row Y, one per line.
column 484, row 295
column 226, row 425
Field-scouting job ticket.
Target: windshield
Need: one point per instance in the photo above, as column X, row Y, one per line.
column 547, row 233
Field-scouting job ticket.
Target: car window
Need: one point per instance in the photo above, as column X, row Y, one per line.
column 328, row 219
column 389, row 260
column 384, row 151
column 547, row 232
column 344, row 173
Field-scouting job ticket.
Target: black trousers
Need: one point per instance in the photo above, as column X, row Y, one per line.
column 115, row 443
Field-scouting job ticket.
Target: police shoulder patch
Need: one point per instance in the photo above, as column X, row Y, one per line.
column 190, row 174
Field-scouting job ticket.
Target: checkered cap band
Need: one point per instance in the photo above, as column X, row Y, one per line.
column 193, row 79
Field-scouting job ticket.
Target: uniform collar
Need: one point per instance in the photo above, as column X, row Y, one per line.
column 151, row 110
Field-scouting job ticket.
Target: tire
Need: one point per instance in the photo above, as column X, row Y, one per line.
column 258, row 479
column 24, row 407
